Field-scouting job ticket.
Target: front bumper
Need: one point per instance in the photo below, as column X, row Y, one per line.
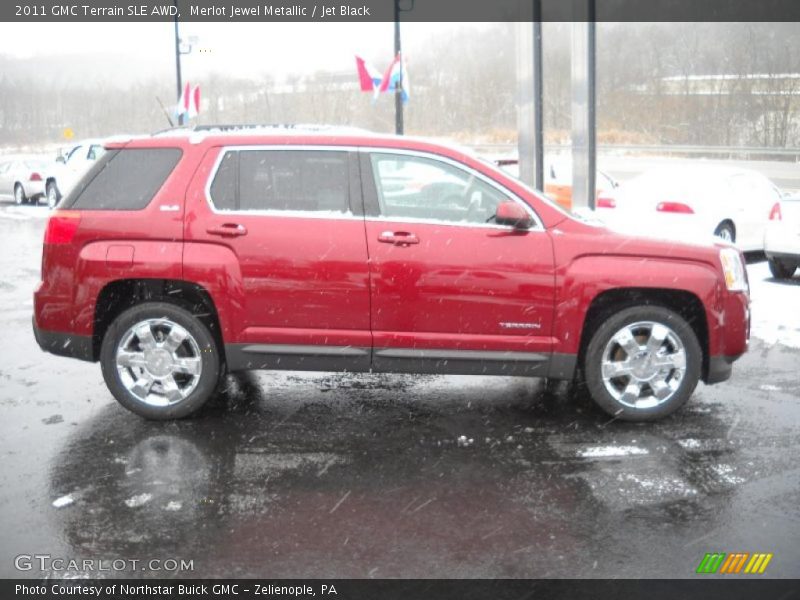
column 64, row 344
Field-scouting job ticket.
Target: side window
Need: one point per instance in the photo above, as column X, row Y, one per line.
column 423, row 188
column 95, row 152
column 223, row 188
column 126, row 179
column 282, row 180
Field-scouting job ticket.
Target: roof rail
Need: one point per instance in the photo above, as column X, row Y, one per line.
column 255, row 127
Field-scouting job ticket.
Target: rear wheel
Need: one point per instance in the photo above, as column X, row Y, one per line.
column 160, row 361
column 19, row 195
column 643, row 363
column 726, row 231
column 781, row 269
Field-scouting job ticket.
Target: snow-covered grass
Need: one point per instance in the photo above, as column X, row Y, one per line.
column 775, row 309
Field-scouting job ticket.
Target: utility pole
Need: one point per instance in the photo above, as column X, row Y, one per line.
column 398, row 92
column 178, row 61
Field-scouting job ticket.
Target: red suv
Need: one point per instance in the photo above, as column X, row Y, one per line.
column 181, row 257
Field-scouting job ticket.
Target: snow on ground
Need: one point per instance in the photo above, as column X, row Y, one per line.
column 775, row 308
column 23, row 213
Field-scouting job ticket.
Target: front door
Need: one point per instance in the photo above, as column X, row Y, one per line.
column 451, row 290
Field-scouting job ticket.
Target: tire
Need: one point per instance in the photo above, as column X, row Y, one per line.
column 675, row 380
column 52, row 195
column 141, row 372
column 781, row 269
column 19, row 195
column 726, row 231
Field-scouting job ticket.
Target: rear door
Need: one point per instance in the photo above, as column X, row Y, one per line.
column 451, row 291
column 291, row 220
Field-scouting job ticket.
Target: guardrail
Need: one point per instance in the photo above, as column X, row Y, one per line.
column 730, row 152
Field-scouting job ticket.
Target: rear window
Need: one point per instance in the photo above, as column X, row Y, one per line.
column 282, row 180
column 126, row 179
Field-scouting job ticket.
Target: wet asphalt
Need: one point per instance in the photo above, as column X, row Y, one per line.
column 331, row 475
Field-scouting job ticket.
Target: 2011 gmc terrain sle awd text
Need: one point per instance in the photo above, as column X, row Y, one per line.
column 186, row 255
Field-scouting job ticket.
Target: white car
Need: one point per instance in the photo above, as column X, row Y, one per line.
column 23, row 179
column 782, row 238
column 694, row 202
column 70, row 167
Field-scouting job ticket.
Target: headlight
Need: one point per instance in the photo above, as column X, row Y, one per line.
column 733, row 269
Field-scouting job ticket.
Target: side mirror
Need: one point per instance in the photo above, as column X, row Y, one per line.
column 61, row 159
column 511, row 213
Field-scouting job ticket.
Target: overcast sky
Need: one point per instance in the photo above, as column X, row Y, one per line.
column 243, row 49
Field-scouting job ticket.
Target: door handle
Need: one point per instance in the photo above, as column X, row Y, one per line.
column 228, row 230
column 398, row 238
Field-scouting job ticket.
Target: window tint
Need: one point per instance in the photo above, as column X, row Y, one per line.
column 124, row 179
column 423, row 188
column 223, row 188
column 283, row 180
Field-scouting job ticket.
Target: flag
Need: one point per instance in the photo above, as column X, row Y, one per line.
column 368, row 76
column 189, row 102
column 396, row 75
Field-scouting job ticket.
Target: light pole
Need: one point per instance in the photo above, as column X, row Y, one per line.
column 178, row 61
column 180, row 49
column 398, row 91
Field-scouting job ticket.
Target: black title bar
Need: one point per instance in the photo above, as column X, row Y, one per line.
column 383, row 10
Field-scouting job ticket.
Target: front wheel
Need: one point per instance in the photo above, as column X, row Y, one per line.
column 781, row 269
column 160, row 361
column 643, row 363
column 726, row 232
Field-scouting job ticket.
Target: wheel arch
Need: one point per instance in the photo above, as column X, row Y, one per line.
column 118, row 295
column 685, row 303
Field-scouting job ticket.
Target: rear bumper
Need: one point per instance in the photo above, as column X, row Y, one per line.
column 64, row 344
column 781, row 241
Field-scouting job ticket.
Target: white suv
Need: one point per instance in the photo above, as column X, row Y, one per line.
column 782, row 237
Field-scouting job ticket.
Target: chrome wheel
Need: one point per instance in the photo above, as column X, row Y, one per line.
column 52, row 196
column 19, row 195
column 643, row 364
column 159, row 362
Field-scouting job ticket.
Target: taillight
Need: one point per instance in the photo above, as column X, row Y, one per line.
column 605, row 202
column 61, row 226
column 675, row 207
column 35, row 177
column 775, row 213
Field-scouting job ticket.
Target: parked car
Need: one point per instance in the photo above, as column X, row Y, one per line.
column 782, row 238
column 180, row 257
column 693, row 202
column 23, row 179
column 70, row 166
column 558, row 180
